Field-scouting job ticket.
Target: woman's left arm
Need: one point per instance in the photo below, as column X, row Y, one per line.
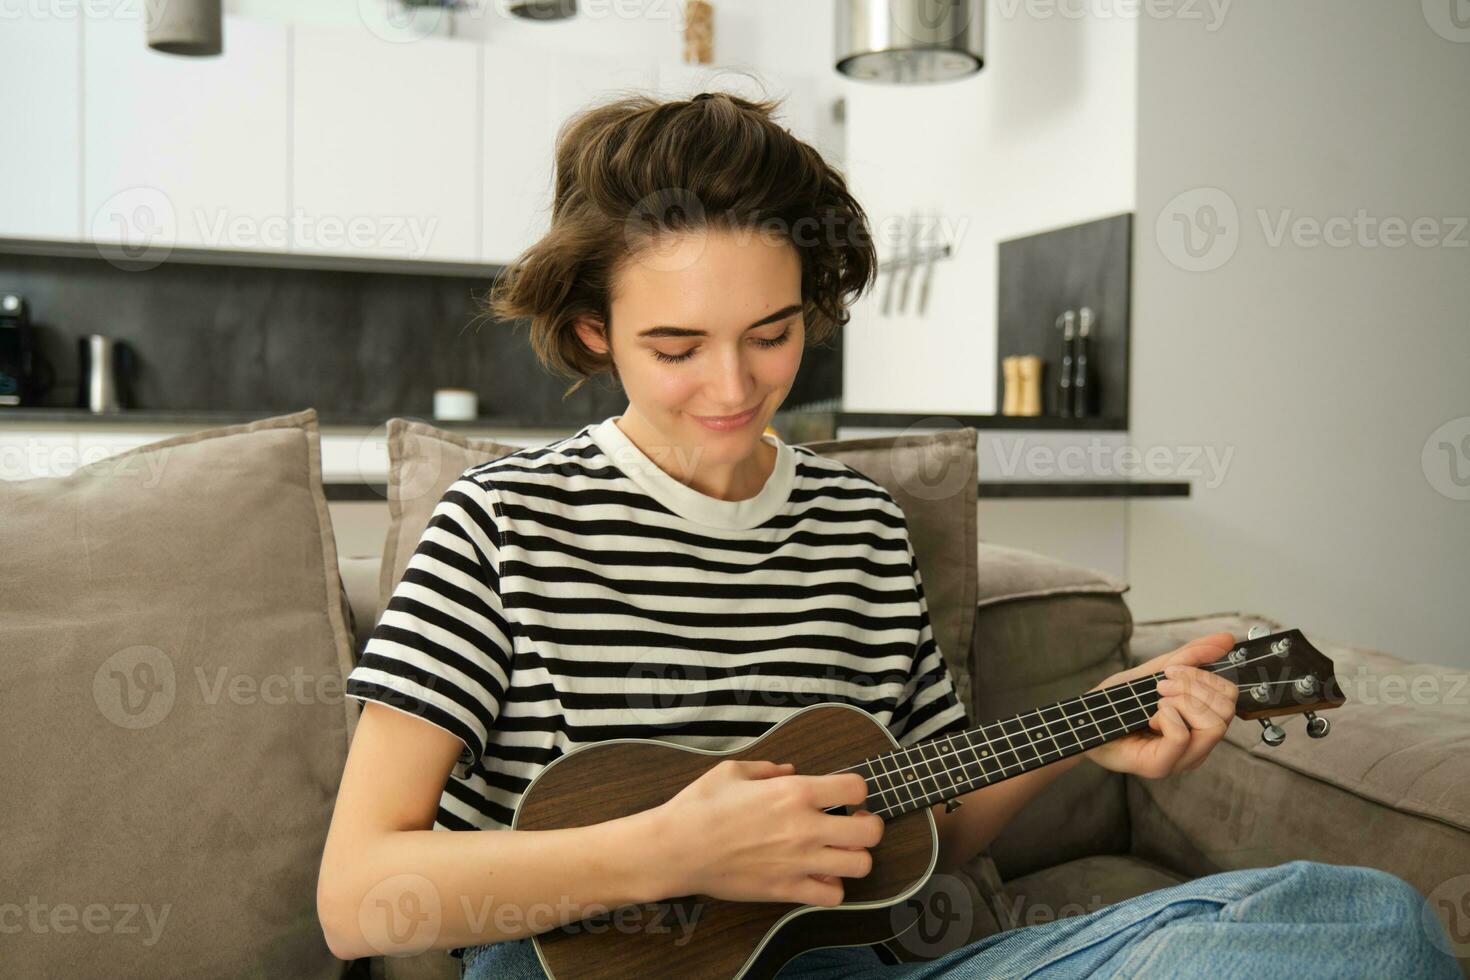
column 1195, row 708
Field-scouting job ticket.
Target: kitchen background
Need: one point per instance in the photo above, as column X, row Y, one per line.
column 308, row 219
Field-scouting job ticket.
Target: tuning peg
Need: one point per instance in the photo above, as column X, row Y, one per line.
column 1317, row 727
column 1257, row 631
column 1271, row 733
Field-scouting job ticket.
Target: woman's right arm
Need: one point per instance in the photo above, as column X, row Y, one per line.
column 390, row 885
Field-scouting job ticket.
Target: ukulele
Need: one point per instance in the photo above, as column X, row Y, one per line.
column 701, row 936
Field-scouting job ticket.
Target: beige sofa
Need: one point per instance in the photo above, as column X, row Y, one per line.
column 1389, row 787
column 176, row 638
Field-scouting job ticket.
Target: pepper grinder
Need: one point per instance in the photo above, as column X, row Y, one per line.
column 1011, row 369
column 1064, row 383
column 1081, row 382
column 1030, row 371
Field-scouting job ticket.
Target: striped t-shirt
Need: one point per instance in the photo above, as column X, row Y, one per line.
column 575, row 592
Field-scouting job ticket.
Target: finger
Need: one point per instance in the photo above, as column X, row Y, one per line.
column 861, row 829
column 825, row 891
column 763, row 769
column 1204, row 650
column 1206, row 730
column 1201, row 650
column 1214, row 691
column 846, row 862
column 837, row 789
column 1164, row 752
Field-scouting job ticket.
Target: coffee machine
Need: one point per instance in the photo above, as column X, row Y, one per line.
column 25, row 376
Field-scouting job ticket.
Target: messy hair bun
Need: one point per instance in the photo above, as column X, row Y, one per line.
column 634, row 169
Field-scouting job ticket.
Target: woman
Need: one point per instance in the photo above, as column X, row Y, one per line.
column 695, row 249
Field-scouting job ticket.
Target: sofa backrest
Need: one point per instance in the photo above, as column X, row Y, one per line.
column 1044, row 630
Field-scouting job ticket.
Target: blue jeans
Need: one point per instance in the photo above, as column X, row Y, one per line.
column 1300, row 919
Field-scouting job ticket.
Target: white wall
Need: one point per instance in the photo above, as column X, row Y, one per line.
column 1042, row 137
column 1325, row 369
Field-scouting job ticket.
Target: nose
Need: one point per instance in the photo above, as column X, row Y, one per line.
column 732, row 382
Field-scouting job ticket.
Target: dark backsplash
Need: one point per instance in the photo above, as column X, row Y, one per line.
column 263, row 340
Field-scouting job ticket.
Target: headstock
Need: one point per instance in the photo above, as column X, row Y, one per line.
column 1281, row 674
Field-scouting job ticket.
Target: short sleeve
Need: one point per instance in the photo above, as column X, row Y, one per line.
column 930, row 705
column 442, row 649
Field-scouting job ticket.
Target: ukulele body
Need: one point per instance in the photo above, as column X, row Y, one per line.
column 701, row 936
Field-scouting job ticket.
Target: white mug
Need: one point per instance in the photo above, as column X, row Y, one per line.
column 455, row 405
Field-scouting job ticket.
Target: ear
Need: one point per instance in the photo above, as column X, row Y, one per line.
column 592, row 334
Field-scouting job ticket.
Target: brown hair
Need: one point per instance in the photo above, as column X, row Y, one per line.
column 631, row 170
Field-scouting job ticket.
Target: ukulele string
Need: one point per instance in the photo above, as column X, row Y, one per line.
column 1218, row 667
column 998, row 754
column 1155, row 677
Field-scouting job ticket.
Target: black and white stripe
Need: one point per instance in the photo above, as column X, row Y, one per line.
column 558, row 599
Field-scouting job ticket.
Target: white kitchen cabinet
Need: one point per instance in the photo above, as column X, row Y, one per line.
column 517, row 135
column 384, row 142
column 182, row 150
column 528, row 94
column 40, row 186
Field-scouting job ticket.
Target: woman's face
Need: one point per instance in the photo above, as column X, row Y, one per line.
column 707, row 325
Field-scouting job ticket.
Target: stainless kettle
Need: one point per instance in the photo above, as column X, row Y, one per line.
column 106, row 368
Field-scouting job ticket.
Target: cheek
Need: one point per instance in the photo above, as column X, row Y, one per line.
column 668, row 384
column 780, row 366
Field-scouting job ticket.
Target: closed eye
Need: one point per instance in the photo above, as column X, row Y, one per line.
column 762, row 341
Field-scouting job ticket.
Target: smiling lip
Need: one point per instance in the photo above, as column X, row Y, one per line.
column 727, row 421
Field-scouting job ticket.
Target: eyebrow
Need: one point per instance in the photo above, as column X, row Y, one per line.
column 666, row 331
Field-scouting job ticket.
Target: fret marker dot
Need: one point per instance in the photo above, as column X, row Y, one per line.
column 984, row 751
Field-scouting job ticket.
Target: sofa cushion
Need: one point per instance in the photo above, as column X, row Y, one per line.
column 1045, row 630
column 1389, row 787
column 175, row 647
column 1400, row 740
column 360, row 580
column 423, row 460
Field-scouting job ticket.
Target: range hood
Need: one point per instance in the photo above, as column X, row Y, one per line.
column 907, row 42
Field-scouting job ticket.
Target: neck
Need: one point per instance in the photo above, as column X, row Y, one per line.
column 932, row 772
column 740, row 480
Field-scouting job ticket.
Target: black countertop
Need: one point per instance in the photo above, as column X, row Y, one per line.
column 876, row 420
column 986, row 489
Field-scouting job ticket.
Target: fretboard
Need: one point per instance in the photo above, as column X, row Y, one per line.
column 938, row 770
